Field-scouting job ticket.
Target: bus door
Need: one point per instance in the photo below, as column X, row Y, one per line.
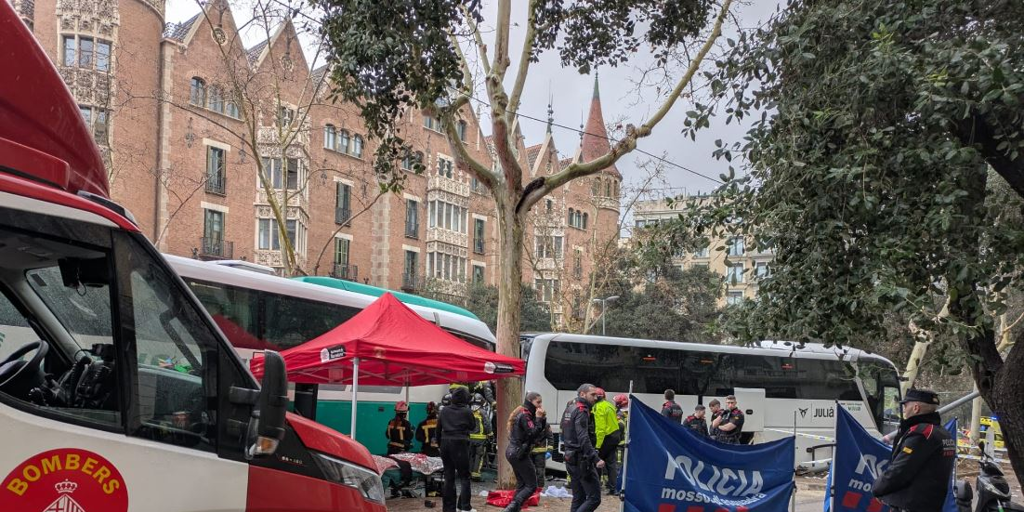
column 752, row 402
column 113, row 405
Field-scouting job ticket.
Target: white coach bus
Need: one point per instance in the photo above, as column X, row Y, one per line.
column 257, row 311
column 778, row 386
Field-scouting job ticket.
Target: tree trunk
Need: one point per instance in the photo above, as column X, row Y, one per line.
column 1002, row 388
column 914, row 364
column 510, row 272
column 976, row 418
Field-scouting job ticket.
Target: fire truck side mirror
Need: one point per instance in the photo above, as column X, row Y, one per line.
column 273, row 403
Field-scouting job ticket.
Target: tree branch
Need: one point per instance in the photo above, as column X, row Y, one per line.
column 524, row 64
column 627, row 144
column 481, row 47
column 977, row 131
column 501, row 40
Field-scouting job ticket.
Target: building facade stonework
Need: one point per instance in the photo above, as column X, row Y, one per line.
column 178, row 108
column 735, row 258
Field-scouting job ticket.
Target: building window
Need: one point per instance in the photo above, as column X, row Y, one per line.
column 733, row 297
column 431, row 124
column 577, row 264
column 577, row 219
column 357, row 146
column 735, row 273
column 269, row 235
column 448, row 216
column 478, row 274
column 461, row 129
column 478, row 235
column 98, row 122
column 232, row 109
column 213, row 233
column 548, row 246
column 341, row 251
column 412, row 218
column 343, row 140
column 292, row 173
column 737, row 246
column 703, row 252
column 296, row 232
column 446, row 267
column 197, row 92
column 476, row 186
column 86, row 53
column 608, row 188
column 585, row 216
column 216, row 170
column 761, row 269
column 549, row 205
column 547, row 289
column 285, row 116
column 411, row 269
column 216, row 100
column 445, row 167
column 343, row 203
column 70, row 51
column 330, row 137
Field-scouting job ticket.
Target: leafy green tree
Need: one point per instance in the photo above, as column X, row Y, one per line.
column 387, row 56
column 886, row 170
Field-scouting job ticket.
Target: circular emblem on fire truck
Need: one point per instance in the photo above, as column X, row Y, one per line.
column 65, row 480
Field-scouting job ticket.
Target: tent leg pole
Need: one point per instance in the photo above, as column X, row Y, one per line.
column 355, row 394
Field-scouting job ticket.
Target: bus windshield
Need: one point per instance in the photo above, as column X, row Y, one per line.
column 882, row 387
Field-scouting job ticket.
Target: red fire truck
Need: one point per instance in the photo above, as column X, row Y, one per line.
column 117, row 390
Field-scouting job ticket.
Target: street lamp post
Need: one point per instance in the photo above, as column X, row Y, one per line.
column 604, row 309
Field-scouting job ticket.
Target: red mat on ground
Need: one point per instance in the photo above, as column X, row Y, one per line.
column 502, row 498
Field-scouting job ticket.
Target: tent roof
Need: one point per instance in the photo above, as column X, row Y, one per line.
column 395, row 346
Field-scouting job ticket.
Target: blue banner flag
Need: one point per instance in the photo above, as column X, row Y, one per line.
column 671, row 469
column 858, row 460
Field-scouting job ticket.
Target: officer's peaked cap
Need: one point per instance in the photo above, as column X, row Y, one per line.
column 921, row 395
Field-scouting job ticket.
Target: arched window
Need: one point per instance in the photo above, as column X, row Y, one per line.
column 616, row 189
column 461, row 128
column 595, row 188
column 608, row 188
column 357, row 146
column 343, row 141
column 585, row 221
column 330, row 137
column 197, row 94
column 572, row 217
column 216, row 99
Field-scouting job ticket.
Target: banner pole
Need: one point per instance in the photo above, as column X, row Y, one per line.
column 625, row 451
column 792, row 499
column 832, row 467
column 355, row 393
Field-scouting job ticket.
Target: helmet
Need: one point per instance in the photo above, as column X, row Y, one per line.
column 431, row 407
column 447, row 400
column 401, row 407
column 600, row 392
column 621, row 400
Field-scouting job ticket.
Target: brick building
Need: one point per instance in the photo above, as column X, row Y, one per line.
column 182, row 154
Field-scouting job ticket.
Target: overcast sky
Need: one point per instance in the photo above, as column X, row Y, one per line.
column 572, row 93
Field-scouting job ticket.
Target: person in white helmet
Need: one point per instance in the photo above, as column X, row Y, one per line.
column 399, row 432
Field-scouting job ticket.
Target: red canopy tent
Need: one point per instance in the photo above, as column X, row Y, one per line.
column 389, row 344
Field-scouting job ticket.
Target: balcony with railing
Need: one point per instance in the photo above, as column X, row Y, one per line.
column 216, row 248
column 412, row 230
column 217, row 184
column 411, row 282
column 342, row 215
column 345, row 271
column 448, row 185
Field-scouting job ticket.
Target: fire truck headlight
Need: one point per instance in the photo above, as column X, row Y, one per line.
column 367, row 482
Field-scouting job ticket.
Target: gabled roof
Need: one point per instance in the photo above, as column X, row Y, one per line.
column 178, row 31
column 532, row 153
column 318, row 73
column 255, row 52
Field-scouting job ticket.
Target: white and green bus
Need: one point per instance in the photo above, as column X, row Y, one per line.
column 258, row 311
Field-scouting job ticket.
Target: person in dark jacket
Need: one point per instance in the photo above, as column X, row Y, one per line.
column 729, row 424
column 426, row 433
column 581, row 457
column 917, row 478
column 540, row 453
column 697, row 423
column 455, row 422
column 670, row 409
column 526, row 425
column 399, row 432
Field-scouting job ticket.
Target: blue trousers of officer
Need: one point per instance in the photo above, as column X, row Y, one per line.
column 586, row 487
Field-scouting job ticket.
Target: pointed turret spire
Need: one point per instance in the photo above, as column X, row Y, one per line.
column 595, row 141
column 551, row 111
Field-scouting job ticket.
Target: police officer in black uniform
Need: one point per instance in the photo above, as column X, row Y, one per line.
column 917, row 478
column 581, row 458
column 730, row 424
column 670, row 409
column 696, row 422
column 716, row 412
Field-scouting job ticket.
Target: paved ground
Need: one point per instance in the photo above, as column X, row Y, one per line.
column 810, row 494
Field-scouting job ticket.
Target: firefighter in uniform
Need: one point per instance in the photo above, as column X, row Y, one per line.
column 606, row 430
column 917, row 478
column 399, row 432
column 427, row 434
column 581, row 458
column 622, row 413
column 478, row 438
column 670, row 409
column 730, row 422
column 697, row 423
column 541, row 452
